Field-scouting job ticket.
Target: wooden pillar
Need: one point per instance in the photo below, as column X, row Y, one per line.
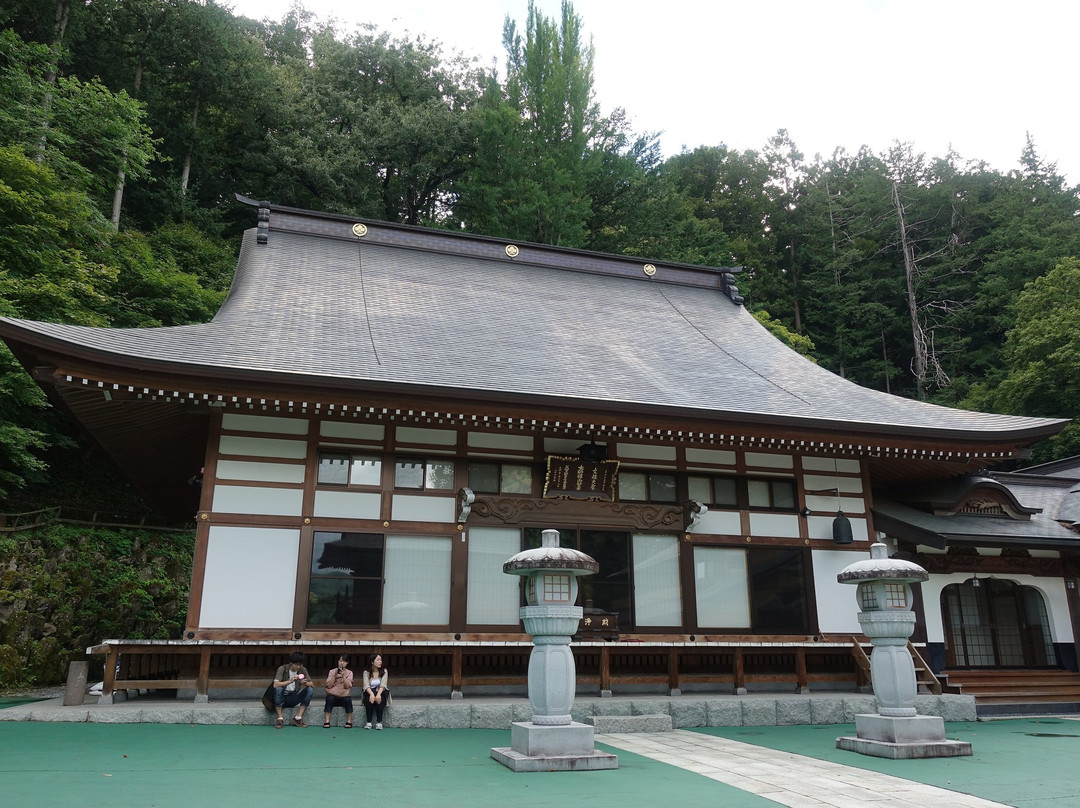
column 455, row 673
column 202, row 683
column 108, row 684
column 605, row 671
column 802, row 684
column 673, row 672
column 740, row 673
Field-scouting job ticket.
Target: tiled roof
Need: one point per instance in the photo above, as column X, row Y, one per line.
column 359, row 314
column 907, row 522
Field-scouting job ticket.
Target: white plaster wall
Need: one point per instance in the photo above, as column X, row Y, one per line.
column 1052, row 589
column 347, row 429
column 415, row 434
column 725, row 523
column 785, row 525
column 644, row 451
column 246, row 499
column 765, row 460
column 250, row 577
column 348, row 504
column 493, row 440
column 847, row 485
column 260, row 472
column 263, row 447
column 831, row 465
column 837, row 607
column 848, row 505
column 264, row 423
column 409, row 508
column 716, row 457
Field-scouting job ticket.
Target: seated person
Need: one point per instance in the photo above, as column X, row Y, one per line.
column 292, row 687
column 376, row 693
column 339, row 691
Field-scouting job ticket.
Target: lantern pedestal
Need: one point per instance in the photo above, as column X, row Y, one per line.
column 886, row 736
column 895, row 731
column 546, row 748
column 552, row 741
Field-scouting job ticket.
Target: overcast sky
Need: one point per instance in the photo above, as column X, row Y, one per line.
column 976, row 76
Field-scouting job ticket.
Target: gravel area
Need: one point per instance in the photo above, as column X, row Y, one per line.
column 52, row 692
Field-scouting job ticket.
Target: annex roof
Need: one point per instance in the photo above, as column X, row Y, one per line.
column 443, row 313
column 1039, row 512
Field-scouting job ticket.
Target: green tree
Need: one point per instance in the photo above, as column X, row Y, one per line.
column 60, row 261
column 1041, row 375
column 369, row 125
column 547, row 162
column 44, row 274
column 90, row 132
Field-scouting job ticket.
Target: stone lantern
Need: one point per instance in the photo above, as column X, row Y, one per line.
column 552, row 741
column 885, row 599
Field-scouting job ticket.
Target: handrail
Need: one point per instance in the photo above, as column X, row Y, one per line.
column 28, row 520
column 861, row 657
column 928, row 678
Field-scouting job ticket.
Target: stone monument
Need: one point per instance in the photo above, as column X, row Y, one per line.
column 896, row 731
column 552, row 741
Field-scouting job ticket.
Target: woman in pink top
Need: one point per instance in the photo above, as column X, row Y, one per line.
column 338, row 691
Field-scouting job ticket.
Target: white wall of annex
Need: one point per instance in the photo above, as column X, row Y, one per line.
column 250, row 577
column 1052, row 590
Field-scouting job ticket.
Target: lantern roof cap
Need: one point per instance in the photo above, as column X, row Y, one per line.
column 550, row 556
column 879, row 567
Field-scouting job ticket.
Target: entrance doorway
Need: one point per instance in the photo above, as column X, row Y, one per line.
column 992, row 623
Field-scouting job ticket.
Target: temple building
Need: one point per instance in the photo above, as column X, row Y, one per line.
column 379, row 416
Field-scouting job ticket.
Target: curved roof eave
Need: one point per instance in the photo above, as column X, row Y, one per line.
column 1022, row 430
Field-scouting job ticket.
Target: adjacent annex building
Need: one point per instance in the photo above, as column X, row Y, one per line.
column 380, row 415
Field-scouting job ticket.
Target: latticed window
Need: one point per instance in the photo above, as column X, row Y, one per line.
column 868, row 598
column 557, row 588
column 896, row 596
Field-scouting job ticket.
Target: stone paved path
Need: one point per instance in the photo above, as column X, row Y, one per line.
column 786, row 778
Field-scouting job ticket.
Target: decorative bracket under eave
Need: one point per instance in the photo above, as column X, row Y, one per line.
column 692, row 513
column 465, row 499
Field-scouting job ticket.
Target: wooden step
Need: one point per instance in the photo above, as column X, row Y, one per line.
column 1006, row 673
column 1011, row 686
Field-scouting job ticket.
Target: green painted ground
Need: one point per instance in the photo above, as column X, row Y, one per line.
column 160, row 766
column 1028, row 763
column 14, row 701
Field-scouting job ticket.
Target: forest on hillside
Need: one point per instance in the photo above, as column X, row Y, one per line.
column 128, row 126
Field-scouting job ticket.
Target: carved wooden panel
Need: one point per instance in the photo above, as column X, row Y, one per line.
column 523, row 510
column 989, row 565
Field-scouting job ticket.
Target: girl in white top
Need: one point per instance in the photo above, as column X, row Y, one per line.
column 376, row 690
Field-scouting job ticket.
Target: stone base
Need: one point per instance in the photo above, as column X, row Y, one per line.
column 75, row 692
column 564, row 748
column 608, row 724
column 920, row 736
